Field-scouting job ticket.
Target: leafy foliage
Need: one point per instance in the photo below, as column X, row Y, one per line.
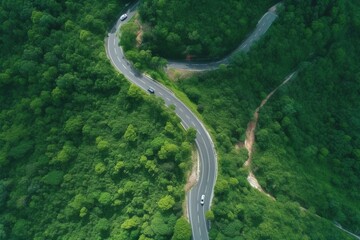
column 307, row 138
column 182, row 230
column 78, row 149
column 54, row 177
column 141, row 59
column 198, row 29
column 166, row 202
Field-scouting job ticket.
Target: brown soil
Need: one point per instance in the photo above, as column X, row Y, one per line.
column 192, row 179
column 139, row 35
column 239, row 145
column 250, row 138
column 193, row 175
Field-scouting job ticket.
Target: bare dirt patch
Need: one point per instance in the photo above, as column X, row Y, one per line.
column 192, row 179
column 250, row 138
column 193, row 176
column 239, row 146
column 139, row 35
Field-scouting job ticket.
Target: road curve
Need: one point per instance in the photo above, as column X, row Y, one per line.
column 262, row 26
column 205, row 146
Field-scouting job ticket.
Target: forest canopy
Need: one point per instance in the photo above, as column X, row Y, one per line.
column 81, row 156
column 201, row 30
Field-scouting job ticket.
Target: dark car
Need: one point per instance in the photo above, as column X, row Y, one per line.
column 151, row 90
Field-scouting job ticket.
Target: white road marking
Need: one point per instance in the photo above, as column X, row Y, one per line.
column 160, row 93
column 204, row 155
column 142, row 81
column 185, row 126
column 187, row 116
column 124, row 66
column 192, row 229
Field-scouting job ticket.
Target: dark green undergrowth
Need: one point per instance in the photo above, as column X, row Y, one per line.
column 83, row 154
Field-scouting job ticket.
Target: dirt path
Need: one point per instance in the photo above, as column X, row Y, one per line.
column 192, row 179
column 250, row 137
column 250, row 140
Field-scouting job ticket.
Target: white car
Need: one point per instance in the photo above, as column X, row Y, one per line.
column 202, row 199
column 123, row 17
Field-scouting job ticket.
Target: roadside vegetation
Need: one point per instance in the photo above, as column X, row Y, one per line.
column 142, row 59
column 307, row 141
column 83, row 154
column 200, row 30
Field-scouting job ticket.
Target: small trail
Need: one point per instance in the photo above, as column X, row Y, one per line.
column 250, row 140
column 250, row 137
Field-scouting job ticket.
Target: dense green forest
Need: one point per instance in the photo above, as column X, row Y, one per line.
column 307, row 151
column 200, row 30
column 86, row 155
column 83, row 154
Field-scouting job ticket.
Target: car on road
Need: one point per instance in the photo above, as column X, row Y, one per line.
column 151, row 90
column 123, row 17
column 202, row 199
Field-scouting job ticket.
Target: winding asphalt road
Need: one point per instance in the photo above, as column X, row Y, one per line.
column 206, row 150
column 205, row 146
